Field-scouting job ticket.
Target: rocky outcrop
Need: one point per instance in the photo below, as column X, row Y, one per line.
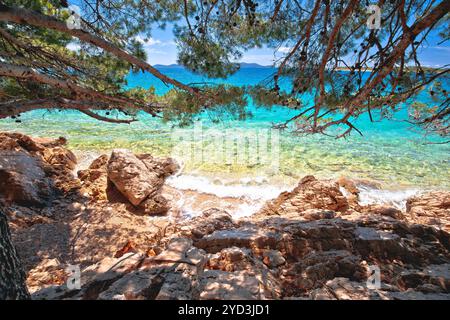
column 430, row 208
column 315, row 242
column 23, row 180
column 309, row 194
column 274, row 257
column 32, row 171
column 137, row 178
column 95, row 179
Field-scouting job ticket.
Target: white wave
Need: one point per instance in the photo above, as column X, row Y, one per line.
column 252, row 189
column 247, row 209
column 395, row 198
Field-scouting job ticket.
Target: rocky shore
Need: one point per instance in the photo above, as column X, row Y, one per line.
column 119, row 222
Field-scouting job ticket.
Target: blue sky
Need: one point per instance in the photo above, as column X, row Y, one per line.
column 161, row 49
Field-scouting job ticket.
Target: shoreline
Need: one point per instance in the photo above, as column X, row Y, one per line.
column 124, row 217
column 246, row 195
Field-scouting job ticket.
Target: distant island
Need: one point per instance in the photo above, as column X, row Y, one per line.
column 242, row 65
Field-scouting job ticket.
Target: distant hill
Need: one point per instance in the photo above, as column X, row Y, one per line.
column 253, row 65
column 174, row 65
column 244, row 65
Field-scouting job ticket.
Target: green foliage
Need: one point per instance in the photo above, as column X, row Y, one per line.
column 331, row 69
column 221, row 100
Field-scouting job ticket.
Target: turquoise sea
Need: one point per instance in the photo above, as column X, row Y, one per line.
column 391, row 152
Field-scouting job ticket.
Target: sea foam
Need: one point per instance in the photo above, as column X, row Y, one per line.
column 395, row 198
column 253, row 189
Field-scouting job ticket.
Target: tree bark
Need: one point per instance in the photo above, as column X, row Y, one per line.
column 21, row 72
column 12, row 275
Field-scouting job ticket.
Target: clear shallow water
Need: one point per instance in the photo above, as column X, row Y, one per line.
column 390, row 152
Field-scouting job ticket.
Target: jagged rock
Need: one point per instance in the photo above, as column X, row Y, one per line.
column 137, row 285
column 131, row 176
column 22, row 179
column 8, row 143
column 300, row 238
column 383, row 211
column 180, row 267
column 182, row 279
column 139, row 178
column 348, row 185
column 231, row 259
column 341, row 288
column 433, row 278
column 416, row 295
column 60, row 157
column 316, row 267
column 273, row 258
column 314, row 214
column 164, row 167
column 155, row 205
column 211, row 220
column 95, row 179
column 242, row 237
column 305, row 244
column 430, row 208
column 21, row 142
column 370, row 241
column 99, row 277
column 176, row 250
column 222, row 285
column 32, row 169
column 309, row 194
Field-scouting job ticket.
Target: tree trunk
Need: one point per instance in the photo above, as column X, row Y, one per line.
column 12, row 276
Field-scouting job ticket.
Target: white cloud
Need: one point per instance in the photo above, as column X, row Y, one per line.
column 147, row 42
column 156, row 50
column 284, row 49
column 154, row 42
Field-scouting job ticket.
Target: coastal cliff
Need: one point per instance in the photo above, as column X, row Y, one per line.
column 120, row 224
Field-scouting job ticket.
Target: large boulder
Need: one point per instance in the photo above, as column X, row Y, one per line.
column 164, row 167
column 309, row 194
column 35, row 163
column 129, row 178
column 132, row 177
column 22, row 179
